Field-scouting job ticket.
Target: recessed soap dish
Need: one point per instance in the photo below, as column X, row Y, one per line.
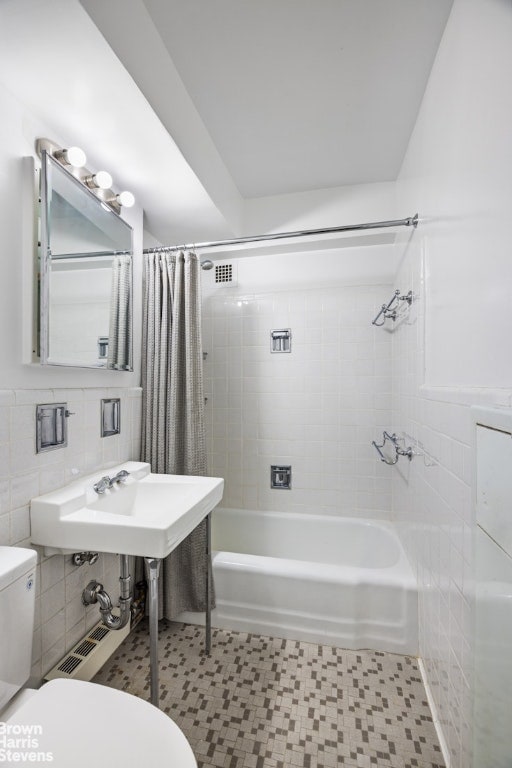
column 110, row 417
column 51, row 426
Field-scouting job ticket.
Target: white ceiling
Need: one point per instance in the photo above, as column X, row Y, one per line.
column 304, row 94
column 204, row 107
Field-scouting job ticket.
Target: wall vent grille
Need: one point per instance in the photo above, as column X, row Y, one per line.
column 99, row 633
column 223, row 273
column 69, row 664
column 85, row 648
column 89, row 655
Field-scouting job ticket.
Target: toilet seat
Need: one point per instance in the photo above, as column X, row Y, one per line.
column 86, row 724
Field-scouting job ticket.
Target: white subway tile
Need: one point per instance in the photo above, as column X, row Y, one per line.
column 52, row 655
column 7, row 397
column 34, row 396
column 53, row 633
column 20, row 526
column 52, row 571
column 52, row 601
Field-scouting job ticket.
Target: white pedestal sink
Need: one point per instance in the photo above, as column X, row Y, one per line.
column 144, row 514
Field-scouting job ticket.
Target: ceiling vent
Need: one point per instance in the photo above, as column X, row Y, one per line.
column 226, row 274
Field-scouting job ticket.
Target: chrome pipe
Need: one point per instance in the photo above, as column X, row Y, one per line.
column 94, row 593
column 152, row 574
column 410, row 221
column 208, row 617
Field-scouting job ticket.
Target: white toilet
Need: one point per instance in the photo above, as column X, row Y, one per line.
column 68, row 722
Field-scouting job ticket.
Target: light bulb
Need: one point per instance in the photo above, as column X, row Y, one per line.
column 126, row 199
column 73, row 156
column 102, row 180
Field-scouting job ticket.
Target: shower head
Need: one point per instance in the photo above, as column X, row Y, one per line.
column 207, row 264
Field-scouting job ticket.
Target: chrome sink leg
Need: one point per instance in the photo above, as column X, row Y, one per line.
column 208, row 619
column 152, row 573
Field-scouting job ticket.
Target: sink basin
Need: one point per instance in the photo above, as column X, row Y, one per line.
column 147, row 515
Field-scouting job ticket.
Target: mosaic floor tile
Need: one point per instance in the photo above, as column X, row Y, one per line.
column 260, row 702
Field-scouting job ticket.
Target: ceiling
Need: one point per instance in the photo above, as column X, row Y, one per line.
column 302, row 94
column 204, row 108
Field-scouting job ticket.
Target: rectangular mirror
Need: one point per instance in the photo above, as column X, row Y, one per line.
column 86, row 276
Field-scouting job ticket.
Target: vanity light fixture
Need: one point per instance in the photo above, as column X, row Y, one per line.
column 125, row 199
column 99, row 180
column 73, row 159
column 73, row 156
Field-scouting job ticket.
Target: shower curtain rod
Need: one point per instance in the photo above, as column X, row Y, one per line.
column 411, row 221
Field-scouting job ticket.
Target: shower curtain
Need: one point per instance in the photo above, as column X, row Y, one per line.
column 119, row 334
column 173, row 433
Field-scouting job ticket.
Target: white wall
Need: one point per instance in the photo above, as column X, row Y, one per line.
column 61, row 619
column 454, row 351
column 317, row 408
column 322, row 208
column 18, row 132
column 457, row 173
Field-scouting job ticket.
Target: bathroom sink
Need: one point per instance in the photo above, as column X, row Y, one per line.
column 146, row 515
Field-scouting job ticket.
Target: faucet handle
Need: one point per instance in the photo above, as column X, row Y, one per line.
column 121, row 476
column 102, row 485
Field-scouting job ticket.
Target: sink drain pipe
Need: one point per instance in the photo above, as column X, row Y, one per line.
column 94, row 593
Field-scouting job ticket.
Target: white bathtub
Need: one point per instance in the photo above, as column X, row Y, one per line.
column 337, row 581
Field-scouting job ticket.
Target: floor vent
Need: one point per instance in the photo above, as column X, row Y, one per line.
column 91, row 653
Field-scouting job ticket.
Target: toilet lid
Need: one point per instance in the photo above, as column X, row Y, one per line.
column 86, row 725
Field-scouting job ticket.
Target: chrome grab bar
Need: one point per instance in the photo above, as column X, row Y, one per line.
column 399, row 451
column 389, row 310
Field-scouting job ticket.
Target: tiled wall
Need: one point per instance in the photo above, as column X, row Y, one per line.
column 456, row 173
column 61, row 619
column 432, row 502
column 317, row 408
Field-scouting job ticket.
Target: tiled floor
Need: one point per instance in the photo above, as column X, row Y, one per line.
column 260, row 702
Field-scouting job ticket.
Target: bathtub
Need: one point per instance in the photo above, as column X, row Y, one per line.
column 337, row 581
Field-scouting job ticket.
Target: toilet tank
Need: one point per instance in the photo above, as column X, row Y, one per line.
column 17, row 603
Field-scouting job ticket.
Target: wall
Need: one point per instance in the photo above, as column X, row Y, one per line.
column 451, row 354
column 322, row 208
column 18, row 132
column 60, row 617
column 317, row 408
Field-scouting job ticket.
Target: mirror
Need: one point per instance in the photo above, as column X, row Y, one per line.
column 86, row 276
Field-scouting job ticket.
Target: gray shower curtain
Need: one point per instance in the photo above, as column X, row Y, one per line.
column 120, row 324
column 173, row 433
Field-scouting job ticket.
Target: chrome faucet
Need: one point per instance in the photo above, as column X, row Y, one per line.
column 102, row 485
column 121, row 477
column 108, row 482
